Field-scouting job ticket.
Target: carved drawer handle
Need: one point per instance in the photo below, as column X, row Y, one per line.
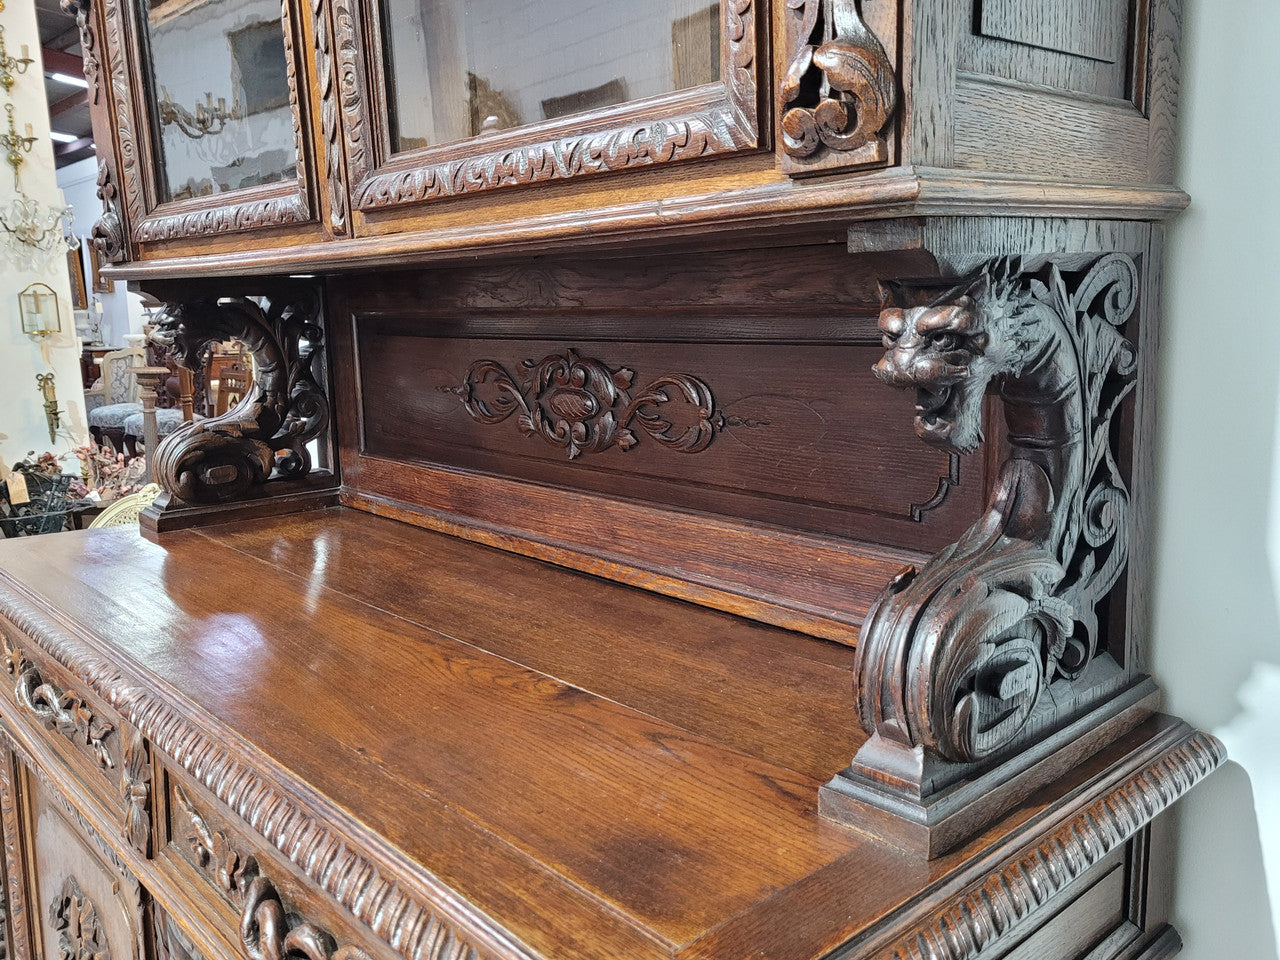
column 57, row 709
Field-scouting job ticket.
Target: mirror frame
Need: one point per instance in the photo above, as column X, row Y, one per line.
column 286, row 202
column 715, row 118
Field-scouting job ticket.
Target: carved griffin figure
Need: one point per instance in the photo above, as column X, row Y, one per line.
column 955, row 656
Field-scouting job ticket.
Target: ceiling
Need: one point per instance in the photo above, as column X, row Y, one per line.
column 68, row 102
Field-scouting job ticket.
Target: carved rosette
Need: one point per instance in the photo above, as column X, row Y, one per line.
column 75, row 920
column 266, row 435
column 584, row 406
column 839, row 92
column 955, row 656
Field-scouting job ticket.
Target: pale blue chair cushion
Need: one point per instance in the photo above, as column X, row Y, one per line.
column 167, row 421
column 113, row 414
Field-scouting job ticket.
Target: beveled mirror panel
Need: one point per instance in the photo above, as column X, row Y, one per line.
column 218, row 79
column 457, row 69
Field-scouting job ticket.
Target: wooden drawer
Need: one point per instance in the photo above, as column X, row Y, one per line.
column 46, row 705
column 248, row 896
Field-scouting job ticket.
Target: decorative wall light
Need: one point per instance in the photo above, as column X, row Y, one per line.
column 35, row 231
column 15, row 146
column 51, row 413
column 38, row 306
column 209, row 119
column 11, row 65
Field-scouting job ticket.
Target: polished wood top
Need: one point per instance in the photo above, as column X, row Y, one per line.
column 604, row 772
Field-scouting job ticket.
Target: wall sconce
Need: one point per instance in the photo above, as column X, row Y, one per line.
column 15, row 145
column 209, row 119
column 38, row 305
column 11, row 65
column 45, row 382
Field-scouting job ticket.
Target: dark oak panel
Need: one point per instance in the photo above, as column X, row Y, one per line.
column 1086, row 28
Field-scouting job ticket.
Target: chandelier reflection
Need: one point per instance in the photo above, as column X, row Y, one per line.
column 208, row 119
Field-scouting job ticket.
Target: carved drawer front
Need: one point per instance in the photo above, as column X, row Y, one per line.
column 255, row 898
column 80, row 901
column 45, row 703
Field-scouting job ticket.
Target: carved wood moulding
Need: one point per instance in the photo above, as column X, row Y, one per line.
column 839, row 92
column 584, row 406
column 265, row 436
column 985, row 913
column 725, row 123
column 330, row 122
column 17, row 933
column 266, row 931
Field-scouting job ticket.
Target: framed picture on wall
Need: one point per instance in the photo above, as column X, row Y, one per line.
column 95, row 261
column 75, row 267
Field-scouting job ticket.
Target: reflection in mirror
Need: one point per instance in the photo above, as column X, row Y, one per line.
column 467, row 68
column 220, row 90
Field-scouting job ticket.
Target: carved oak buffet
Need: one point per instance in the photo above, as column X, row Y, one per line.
column 572, row 582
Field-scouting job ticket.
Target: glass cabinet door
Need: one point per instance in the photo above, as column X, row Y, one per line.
column 225, row 133
column 456, row 96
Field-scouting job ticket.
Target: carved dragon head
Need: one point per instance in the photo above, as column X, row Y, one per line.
column 949, row 347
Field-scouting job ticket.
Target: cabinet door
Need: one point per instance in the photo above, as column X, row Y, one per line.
column 68, row 896
column 210, row 103
column 449, row 97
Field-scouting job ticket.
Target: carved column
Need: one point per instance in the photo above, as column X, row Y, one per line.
column 972, row 665
column 259, row 449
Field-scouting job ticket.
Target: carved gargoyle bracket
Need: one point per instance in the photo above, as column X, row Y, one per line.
column 838, row 93
column 956, row 657
column 953, row 657
column 265, row 436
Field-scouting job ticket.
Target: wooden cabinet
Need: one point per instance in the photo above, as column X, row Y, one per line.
column 693, row 501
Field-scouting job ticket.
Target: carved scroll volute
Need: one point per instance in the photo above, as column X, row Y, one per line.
column 955, row 657
column 265, row 436
column 839, row 92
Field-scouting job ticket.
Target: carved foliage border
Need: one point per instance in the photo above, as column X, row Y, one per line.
column 292, row 207
column 960, row 929
column 724, row 127
column 335, row 170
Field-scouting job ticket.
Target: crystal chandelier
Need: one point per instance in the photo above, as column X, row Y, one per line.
column 36, row 232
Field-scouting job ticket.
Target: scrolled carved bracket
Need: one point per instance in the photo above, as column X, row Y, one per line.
column 954, row 658
column 839, row 92
column 265, row 436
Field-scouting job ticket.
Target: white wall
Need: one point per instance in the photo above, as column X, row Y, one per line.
column 1216, row 642
column 22, row 420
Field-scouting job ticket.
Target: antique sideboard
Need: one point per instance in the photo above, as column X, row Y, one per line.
column 694, row 499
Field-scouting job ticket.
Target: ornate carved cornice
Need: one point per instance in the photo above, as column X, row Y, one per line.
column 839, row 92
column 266, row 434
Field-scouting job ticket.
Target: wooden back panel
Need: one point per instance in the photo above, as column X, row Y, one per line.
column 702, row 417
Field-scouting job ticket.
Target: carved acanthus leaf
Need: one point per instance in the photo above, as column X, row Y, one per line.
column 266, row 434
column 581, row 404
column 839, row 92
column 955, row 656
column 135, row 787
column 76, row 922
column 56, row 709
